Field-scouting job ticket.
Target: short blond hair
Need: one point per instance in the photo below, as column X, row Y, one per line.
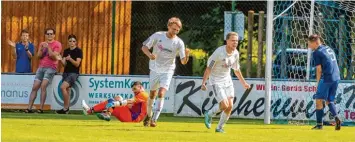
column 231, row 34
column 174, row 20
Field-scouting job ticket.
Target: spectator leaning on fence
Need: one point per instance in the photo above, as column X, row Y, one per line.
column 23, row 52
column 71, row 60
column 49, row 54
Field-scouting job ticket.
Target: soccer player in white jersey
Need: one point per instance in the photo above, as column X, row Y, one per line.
column 218, row 69
column 166, row 45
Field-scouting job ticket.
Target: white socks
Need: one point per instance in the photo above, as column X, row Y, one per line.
column 150, row 107
column 215, row 109
column 223, row 120
column 158, row 108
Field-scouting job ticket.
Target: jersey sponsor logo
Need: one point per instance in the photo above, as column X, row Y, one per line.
column 164, row 49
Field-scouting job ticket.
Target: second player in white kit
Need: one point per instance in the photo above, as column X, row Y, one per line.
column 162, row 65
column 218, row 69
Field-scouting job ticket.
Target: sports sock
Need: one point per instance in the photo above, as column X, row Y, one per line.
column 223, row 120
column 158, row 108
column 215, row 109
column 332, row 109
column 150, row 107
column 319, row 116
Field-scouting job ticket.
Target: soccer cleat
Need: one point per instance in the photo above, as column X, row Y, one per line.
column 338, row 123
column 219, row 131
column 86, row 108
column 153, row 123
column 146, row 121
column 103, row 116
column 317, row 127
column 62, row 111
column 208, row 120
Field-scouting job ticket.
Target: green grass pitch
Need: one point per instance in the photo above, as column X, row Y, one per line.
column 20, row 127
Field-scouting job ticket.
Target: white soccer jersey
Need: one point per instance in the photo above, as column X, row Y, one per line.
column 221, row 64
column 165, row 50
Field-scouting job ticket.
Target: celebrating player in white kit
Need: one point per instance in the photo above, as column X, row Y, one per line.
column 218, row 69
column 162, row 65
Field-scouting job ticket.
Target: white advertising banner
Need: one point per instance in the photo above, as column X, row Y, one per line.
column 290, row 100
column 94, row 89
column 16, row 90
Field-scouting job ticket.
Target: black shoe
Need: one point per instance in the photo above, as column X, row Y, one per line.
column 39, row 111
column 317, row 127
column 337, row 123
column 146, row 121
column 62, row 111
column 28, row 111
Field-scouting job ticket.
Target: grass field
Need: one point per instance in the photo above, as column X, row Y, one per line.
column 21, row 127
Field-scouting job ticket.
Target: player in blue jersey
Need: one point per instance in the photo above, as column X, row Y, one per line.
column 327, row 79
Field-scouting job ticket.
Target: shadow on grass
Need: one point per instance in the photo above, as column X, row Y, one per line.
column 75, row 115
column 160, row 131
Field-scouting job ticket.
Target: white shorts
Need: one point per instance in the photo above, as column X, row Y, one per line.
column 157, row 80
column 223, row 92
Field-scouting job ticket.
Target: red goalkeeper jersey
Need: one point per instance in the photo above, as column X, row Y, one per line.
column 139, row 107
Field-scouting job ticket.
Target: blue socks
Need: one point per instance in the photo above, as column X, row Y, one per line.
column 319, row 116
column 332, row 109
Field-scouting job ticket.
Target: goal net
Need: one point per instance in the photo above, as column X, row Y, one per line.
column 293, row 70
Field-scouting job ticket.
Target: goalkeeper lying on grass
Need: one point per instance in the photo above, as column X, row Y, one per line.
column 130, row 110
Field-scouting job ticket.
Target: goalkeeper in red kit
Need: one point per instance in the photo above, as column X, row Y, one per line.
column 130, row 110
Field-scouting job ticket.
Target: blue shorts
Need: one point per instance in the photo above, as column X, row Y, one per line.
column 326, row 91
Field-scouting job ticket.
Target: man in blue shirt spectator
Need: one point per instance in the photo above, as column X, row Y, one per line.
column 23, row 52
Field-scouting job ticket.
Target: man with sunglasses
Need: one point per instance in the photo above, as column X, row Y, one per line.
column 71, row 60
column 130, row 110
column 49, row 54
